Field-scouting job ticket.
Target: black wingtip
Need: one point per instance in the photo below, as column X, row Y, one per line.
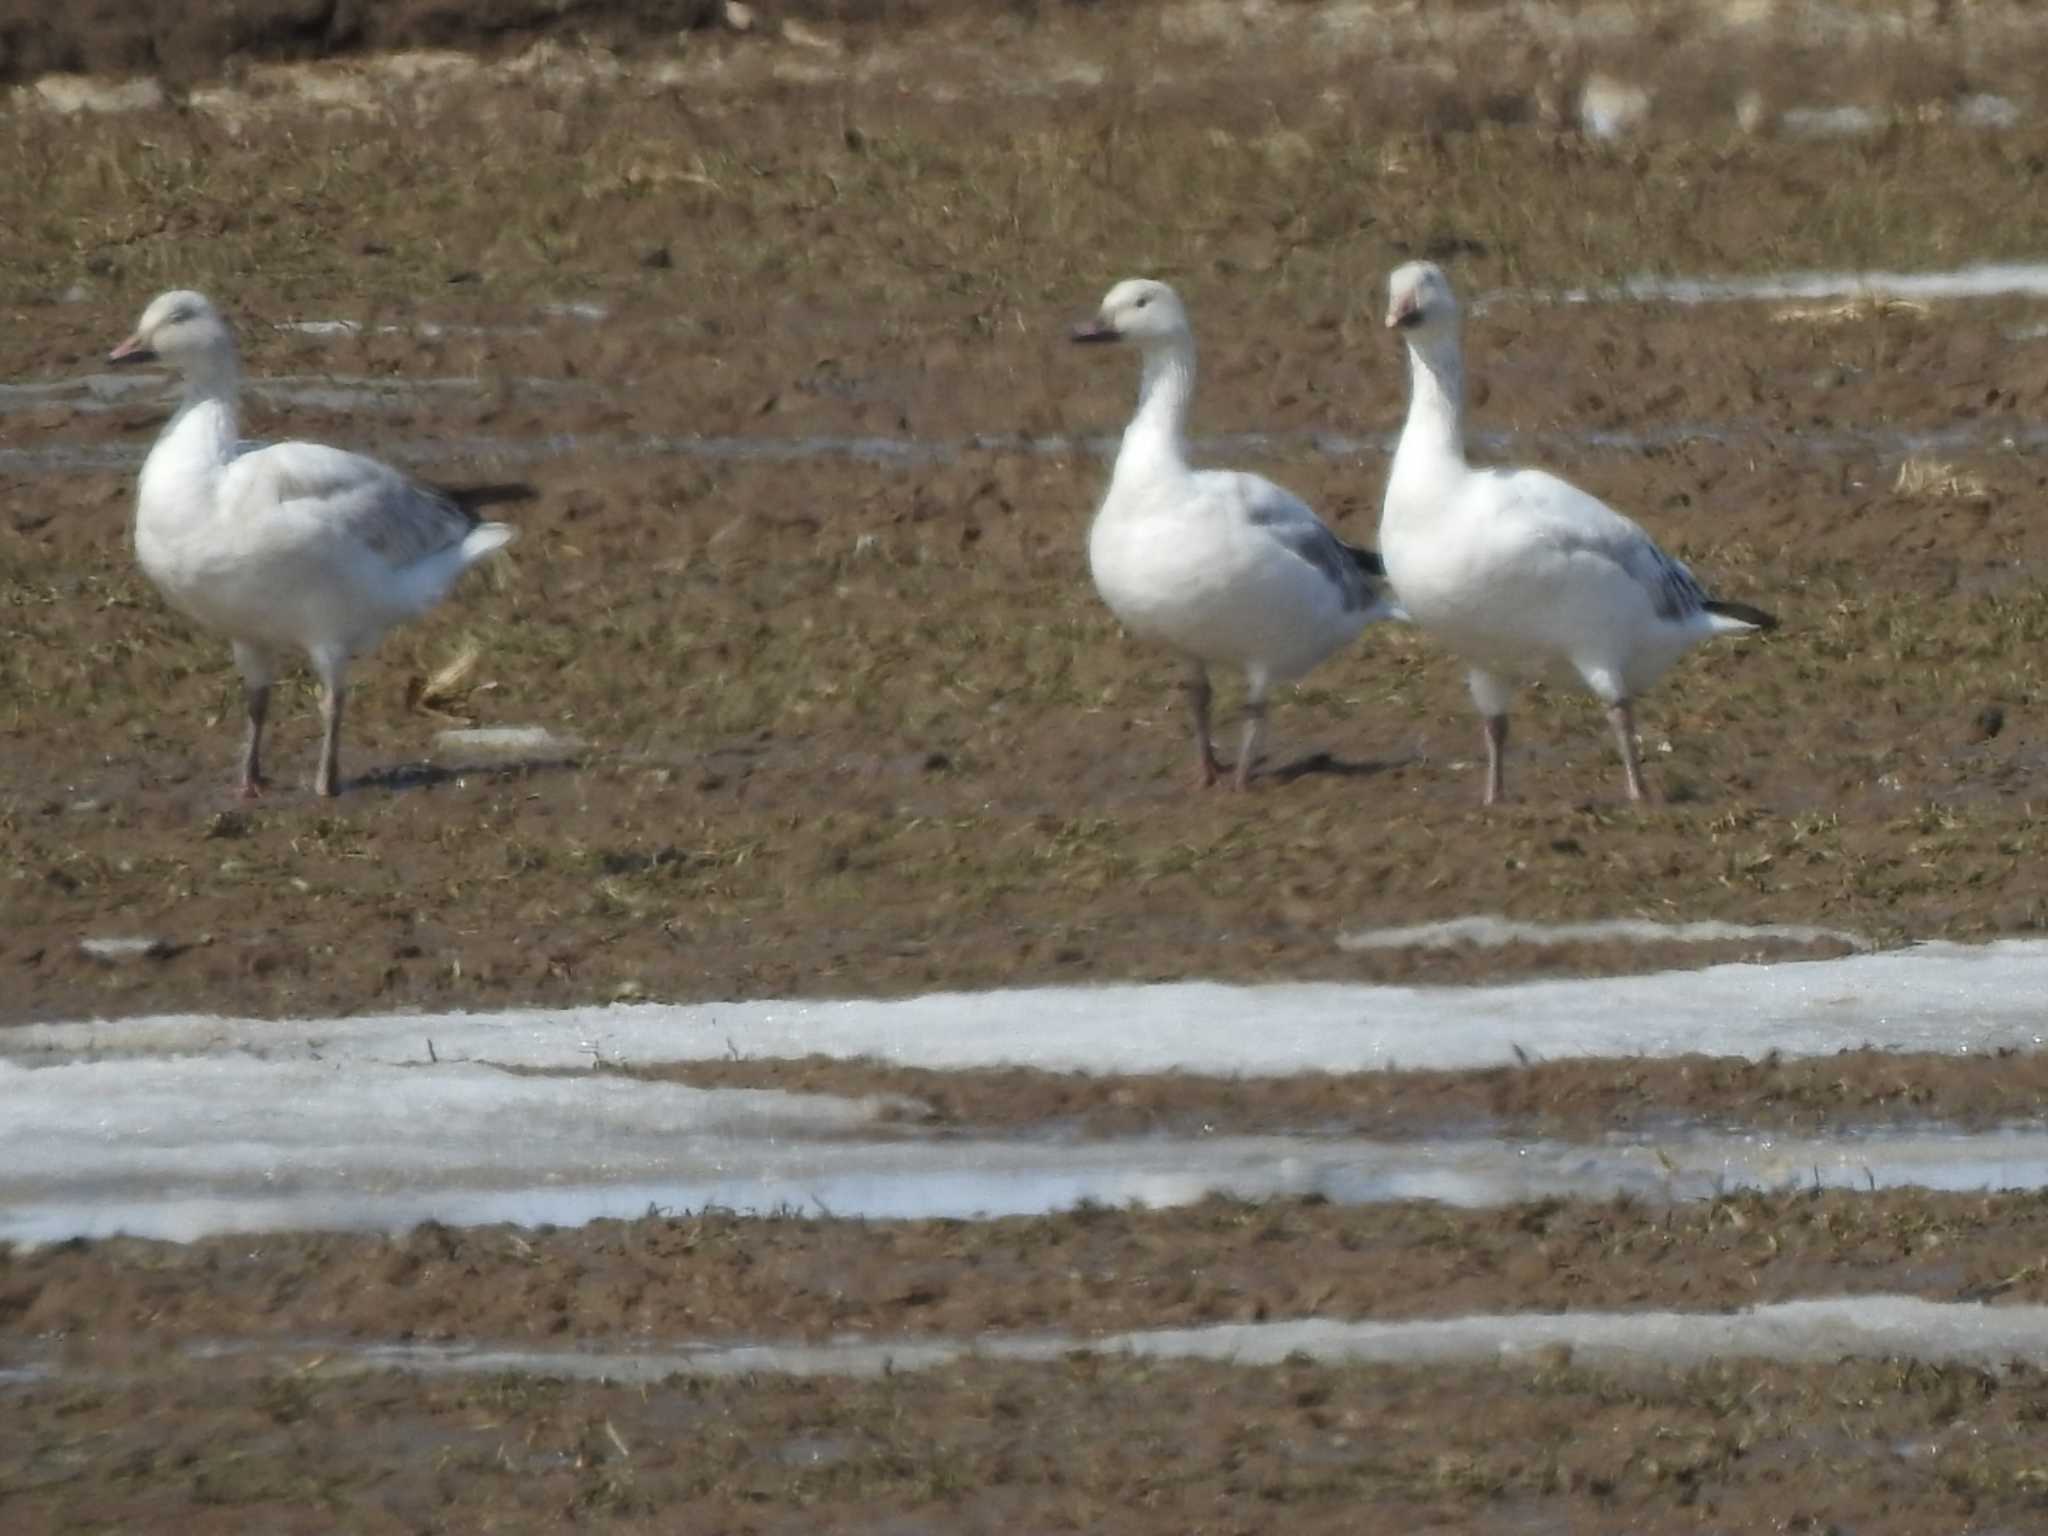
column 1367, row 560
column 472, row 497
column 1742, row 613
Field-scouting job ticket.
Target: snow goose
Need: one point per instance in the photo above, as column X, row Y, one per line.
column 1226, row 568
column 290, row 547
column 1516, row 571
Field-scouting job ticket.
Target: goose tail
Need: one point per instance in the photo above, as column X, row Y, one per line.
column 1738, row 618
column 483, row 539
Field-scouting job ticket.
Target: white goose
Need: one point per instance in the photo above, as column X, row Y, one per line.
column 1518, row 572
column 289, row 547
column 1227, row 568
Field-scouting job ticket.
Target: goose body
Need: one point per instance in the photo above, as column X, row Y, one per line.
column 295, row 547
column 1226, row 568
column 1518, row 572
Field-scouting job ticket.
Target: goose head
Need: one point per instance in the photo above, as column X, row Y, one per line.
column 1140, row 310
column 1420, row 301
column 180, row 328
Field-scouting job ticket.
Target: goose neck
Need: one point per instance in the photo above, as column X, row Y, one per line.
column 214, row 378
column 1436, row 402
column 1166, row 388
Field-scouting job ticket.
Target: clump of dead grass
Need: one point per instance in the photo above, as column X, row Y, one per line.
column 1851, row 311
column 1922, row 479
column 445, row 691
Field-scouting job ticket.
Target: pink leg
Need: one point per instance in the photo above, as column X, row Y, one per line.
column 1622, row 717
column 1207, row 769
column 1496, row 759
column 1254, row 740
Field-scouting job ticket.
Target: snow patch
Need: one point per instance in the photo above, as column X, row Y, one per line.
column 1984, row 280
column 1490, row 932
column 1947, row 998
column 1824, row 1330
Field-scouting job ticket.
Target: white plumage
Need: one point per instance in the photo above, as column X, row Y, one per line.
column 1227, row 568
column 1519, row 573
column 293, row 547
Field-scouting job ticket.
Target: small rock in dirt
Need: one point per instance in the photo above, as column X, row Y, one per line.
column 122, row 951
column 738, row 16
column 1990, row 721
column 524, row 739
column 658, row 260
column 72, row 94
column 794, row 31
column 1985, row 110
column 227, row 824
column 1612, row 109
column 77, row 293
column 1830, row 122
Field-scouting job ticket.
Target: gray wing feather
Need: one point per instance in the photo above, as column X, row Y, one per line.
column 1561, row 515
column 1345, row 568
column 395, row 518
column 1674, row 594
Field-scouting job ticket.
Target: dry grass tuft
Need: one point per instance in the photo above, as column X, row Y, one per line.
column 1851, row 311
column 444, row 692
column 1930, row 480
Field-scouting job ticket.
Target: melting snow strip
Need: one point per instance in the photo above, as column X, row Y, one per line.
column 1822, row 1330
column 67, row 458
column 186, row 1148
column 1982, row 280
column 1489, row 932
column 1944, row 998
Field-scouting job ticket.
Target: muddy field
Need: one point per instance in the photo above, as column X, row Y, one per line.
column 772, row 322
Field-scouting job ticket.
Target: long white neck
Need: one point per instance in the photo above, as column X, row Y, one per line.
column 215, row 376
column 1158, row 432
column 1435, row 429
column 195, row 444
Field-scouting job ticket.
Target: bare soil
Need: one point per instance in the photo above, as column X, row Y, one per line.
column 1869, row 1446
column 852, row 721
column 856, row 722
column 712, row 1275
column 1573, row 1100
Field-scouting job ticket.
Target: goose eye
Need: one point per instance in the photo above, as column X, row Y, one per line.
column 1144, row 299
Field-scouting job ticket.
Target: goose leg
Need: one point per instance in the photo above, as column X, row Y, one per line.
column 257, row 696
column 327, row 782
column 1254, row 734
column 1206, row 767
column 1491, row 694
column 1496, row 759
column 257, row 669
column 1622, row 716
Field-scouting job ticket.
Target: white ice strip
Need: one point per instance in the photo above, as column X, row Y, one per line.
column 1490, row 932
column 102, row 392
column 1822, row 1330
column 1983, row 280
column 183, row 1148
column 1861, row 443
column 588, row 313
column 152, row 1138
column 1949, row 998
